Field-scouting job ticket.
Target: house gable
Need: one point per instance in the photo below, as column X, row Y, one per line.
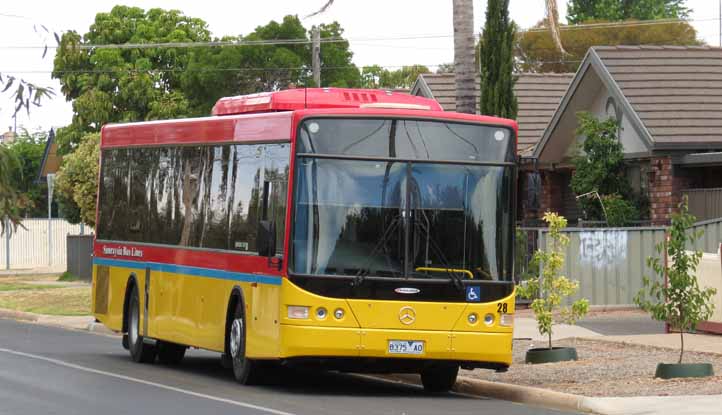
column 592, row 90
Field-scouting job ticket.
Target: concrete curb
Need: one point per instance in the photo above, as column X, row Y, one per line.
column 18, row 315
column 514, row 393
column 57, row 321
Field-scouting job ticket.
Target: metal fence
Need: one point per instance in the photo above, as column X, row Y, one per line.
column 609, row 263
column 38, row 243
column 80, row 256
column 705, row 203
column 711, row 236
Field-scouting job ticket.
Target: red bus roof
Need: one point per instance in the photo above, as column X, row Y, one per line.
column 271, row 117
column 316, row 98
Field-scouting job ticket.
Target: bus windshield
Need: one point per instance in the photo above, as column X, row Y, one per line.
column 393, row 208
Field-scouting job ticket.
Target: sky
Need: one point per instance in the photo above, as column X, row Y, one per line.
column 364, row 22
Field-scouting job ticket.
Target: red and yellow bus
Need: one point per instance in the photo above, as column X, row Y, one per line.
column 362, row 230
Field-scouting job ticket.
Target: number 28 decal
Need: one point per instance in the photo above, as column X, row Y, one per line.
column 501, row 308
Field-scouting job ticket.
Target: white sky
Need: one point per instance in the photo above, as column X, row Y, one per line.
column 361, row 20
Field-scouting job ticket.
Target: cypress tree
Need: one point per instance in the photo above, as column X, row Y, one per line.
column 496, row 60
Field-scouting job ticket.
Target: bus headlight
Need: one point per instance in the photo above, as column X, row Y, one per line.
column 321, row 313
column 506, row 320
column 338, row 313
column 473, row 318
column 298, row 312
column 489, row 319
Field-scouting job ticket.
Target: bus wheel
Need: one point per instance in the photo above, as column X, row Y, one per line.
column 170, row 353
column 245, row 370
column 139, row 351
column 438, row 379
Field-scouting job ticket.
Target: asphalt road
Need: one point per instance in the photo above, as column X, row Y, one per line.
column 47, row 370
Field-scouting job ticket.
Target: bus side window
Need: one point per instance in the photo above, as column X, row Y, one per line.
column 246, row 198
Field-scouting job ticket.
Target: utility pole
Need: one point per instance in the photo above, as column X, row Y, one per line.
column 316, row 55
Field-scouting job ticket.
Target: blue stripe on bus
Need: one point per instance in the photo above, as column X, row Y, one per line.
column 196, row 271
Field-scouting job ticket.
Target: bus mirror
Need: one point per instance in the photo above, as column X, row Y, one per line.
column 266, row 238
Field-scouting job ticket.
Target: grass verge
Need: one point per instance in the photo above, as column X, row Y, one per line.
column 35, row 297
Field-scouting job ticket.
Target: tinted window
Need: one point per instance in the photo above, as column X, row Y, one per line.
column 198, row 196
column 406, row 139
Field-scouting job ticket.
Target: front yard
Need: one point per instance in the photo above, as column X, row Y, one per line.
column 45, row 295
column 607, row 369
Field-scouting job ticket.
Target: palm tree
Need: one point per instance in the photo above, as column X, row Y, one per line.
column 464, row 71
column 552, row 12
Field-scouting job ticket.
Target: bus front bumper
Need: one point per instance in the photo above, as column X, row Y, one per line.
column 471, row 349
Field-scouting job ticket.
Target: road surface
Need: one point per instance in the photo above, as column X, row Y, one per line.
column 47, row 370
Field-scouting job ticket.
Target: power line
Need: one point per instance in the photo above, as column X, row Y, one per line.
column 305, row 41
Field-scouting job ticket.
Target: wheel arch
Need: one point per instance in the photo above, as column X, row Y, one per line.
column 234, row 299
column 129, row 286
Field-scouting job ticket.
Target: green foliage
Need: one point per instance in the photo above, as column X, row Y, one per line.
column 12, row 200
column 377, row 77
column 551, row 288
column 600, row 168
column 497, row 62
column 680, row 302
column 29, row 149
column 67, row 276
column 620, row 212
column 122, row 85
column 77, row 178
column 535, row 50
column 582, row 11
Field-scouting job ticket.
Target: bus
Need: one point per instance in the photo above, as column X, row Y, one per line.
column 347, row 229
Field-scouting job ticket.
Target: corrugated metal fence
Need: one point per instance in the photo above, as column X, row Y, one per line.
column 609, row 263
column 711, row 236
column 80, row 256
column 30, row 247
column 705, row 203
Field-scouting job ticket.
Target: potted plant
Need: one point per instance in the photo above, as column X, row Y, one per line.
column 674, row 296
column 548, row 290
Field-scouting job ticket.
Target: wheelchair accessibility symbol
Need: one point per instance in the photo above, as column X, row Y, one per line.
column 473, row 294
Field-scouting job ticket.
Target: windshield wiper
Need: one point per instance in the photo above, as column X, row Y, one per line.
column 453, row 276
column 364, row 270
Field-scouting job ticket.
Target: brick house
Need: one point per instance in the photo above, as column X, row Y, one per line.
column 538, row 96
column 668, row 105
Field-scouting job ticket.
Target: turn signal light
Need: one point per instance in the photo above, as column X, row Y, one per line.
column 506, row 320
column 298, row 312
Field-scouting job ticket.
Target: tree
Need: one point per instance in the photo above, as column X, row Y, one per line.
column 29, row 149
column 583, row 11
column 535, row 50
column 599, row 167
column 337, row 68
column 266, row 67
column 122, row 85
column 464, row 74
column 12, row 201
column 377, row 77
column 551, row 288
column 679, row 301
column 78, row 177
column 497, row 62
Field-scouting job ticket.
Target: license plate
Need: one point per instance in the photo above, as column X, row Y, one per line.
column 406, row 347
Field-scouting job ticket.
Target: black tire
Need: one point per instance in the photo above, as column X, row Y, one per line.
column 170, row 353
column 439, row 378
column 139, row 351
column 245, row 370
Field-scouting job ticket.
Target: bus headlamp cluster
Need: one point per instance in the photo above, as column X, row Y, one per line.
column 302, row 312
